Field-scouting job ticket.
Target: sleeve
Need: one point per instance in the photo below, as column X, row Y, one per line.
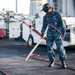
column 44, row 25
column 62, row 28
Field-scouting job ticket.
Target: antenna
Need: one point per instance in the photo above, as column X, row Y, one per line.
column 16, row 5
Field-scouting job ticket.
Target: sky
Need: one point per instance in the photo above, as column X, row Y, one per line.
column 23, row 5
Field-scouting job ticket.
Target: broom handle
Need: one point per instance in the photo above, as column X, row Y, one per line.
column 33, row 49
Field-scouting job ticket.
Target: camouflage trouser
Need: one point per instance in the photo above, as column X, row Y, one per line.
column 58, row 40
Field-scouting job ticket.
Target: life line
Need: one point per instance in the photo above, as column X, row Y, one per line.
column 55, row 29
column 37, row 32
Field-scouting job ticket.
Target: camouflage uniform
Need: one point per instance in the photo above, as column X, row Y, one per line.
column 53, row 35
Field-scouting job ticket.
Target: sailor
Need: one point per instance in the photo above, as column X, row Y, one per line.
column 55, row 32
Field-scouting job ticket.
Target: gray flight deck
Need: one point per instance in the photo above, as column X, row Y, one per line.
column 13, row 54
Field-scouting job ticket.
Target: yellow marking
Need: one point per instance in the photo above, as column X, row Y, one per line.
column 70, row 40
column 71, row 29
column 36, row 1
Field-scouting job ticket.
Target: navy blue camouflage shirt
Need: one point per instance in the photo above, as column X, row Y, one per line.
column 55, row 20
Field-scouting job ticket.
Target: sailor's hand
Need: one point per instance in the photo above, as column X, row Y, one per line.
column 41, row 35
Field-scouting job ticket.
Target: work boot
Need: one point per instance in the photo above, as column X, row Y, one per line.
column 51, row 64
column 63, row 64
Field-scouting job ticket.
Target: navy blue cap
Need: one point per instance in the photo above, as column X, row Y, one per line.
column 45, row 7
